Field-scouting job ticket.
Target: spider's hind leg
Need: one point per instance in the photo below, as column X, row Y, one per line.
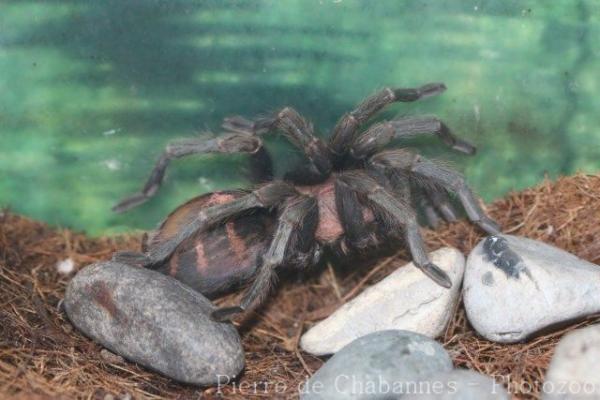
column 229, row 143
column 267, row 196
column 294, row 235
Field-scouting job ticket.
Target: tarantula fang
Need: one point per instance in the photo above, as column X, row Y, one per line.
column 351, row 195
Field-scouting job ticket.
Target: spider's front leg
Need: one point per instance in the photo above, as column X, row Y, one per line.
column 435, row 202
column 294, row 236
column 421, row 168
column 380, row 135
column 346, row 128
column 401, row 214
column 229, row 143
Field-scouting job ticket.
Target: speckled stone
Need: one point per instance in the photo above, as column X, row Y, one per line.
column 406, row 300
column 515, row 286
column 574, row 372
column 377, row 366
column 153, row 320
column 459, row 384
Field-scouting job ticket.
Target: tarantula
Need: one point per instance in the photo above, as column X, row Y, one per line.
column 349, row 196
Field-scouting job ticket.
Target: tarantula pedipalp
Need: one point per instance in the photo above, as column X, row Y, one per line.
column 351, row 195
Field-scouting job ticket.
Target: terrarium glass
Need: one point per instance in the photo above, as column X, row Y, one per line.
column 91, row 91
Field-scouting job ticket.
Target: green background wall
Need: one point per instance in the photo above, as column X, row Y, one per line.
column 91, row 91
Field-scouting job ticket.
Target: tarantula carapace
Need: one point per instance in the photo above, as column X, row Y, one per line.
column 349, row 196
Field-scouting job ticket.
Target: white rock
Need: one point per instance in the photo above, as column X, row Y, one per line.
column 516, row 286
column 405, row 300
column 573, row 373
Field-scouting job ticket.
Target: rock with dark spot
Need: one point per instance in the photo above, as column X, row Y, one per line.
column 497, row 251
column 573, row 372
column 515, row 287
column 460, row 384
column 153, row 320
column 406, row 300
column 381, row 365
column 488, row 279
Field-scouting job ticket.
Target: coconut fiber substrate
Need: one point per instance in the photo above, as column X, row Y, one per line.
column 43, row 357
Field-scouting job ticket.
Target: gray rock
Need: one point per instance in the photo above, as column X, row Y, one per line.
column 380, row 365
column 154, row 320
column 573, row 373
column 515, row 286
column 406, row 299
column 460, row 384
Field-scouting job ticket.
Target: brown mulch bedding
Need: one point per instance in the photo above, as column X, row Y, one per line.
column 42, row 356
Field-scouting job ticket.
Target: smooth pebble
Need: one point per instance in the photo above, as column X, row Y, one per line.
column 406, row 299
column 515, row 287
column 574, row 372
column 153, row 320
column 380, row 365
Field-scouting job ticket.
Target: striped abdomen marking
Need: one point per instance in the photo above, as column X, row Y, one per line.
column 221, row 257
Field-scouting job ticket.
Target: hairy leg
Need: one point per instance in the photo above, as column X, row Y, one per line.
column 436, row 205
column 432, row 217
column 346, row 128
column 441, row 202
column 401, row 214
column 296, row 128
column 359, row 235
column 350, row 211
column 267, row 196
column 439, row 175
column 381, row 134
column 229, row 143
column 261, row 166
column 297, row 223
